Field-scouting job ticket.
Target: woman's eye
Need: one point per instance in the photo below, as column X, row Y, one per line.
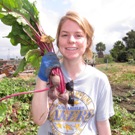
column 64, row 35
column 78, row 36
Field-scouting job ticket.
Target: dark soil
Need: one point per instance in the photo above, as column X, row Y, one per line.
column 124, row 96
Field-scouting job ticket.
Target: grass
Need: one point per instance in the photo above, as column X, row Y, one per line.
column 119, row 73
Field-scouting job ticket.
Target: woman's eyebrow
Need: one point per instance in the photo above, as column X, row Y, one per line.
column 64, row 31
column 80, row 32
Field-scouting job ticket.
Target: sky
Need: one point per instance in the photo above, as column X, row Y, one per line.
column 111, row 20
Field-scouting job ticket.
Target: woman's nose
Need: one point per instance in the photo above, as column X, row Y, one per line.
column 71, row 39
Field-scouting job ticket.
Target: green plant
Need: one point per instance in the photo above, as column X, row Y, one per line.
column 99, row 60
column 26, row 31
column 14, row 111
column 108, row 58
column 122, row 122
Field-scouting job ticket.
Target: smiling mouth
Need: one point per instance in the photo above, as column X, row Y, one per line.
column 71, row 48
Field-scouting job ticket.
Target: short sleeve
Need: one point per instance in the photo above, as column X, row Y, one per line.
column 105, row 101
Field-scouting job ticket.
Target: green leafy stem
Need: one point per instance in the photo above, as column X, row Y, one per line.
column 26, row 30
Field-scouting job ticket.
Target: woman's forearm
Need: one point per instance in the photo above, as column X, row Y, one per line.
column 40, row 107
column 104, row 127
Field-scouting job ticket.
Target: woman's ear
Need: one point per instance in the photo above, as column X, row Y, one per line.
column 89, row 43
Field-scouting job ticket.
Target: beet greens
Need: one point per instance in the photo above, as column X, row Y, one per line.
column 27, row 31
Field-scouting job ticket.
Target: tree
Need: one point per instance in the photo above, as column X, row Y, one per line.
column 100, row 47
column 122, row 56
column 118, row 48
column 130, row 39
column 131, row 54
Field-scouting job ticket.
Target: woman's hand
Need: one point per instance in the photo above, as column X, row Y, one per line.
column 49, row 61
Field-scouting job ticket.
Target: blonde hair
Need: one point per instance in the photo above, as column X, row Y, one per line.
column 84, row 25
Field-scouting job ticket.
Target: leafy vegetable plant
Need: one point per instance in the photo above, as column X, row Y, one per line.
column 15, row 114
column 27, row 31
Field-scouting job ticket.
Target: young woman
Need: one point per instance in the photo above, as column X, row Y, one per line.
column 90, row 103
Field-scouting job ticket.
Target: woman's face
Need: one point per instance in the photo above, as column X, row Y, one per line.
column 72, row 40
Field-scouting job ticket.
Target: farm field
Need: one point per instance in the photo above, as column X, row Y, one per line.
column 15, row 115
column 122, row 79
